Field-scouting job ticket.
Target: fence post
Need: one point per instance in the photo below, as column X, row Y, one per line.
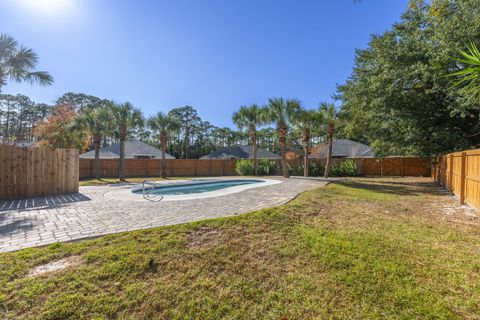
column 463, row 178
column 402, row 167
column 450, row 172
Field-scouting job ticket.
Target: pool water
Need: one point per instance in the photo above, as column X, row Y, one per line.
column 196, row 187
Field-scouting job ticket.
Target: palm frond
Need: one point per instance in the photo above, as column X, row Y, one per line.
column 469, row 75
column 18, row 63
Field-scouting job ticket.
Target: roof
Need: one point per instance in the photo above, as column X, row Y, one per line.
column 22, row 144
column 132, row 148
column 240, row 152
column 342, row 148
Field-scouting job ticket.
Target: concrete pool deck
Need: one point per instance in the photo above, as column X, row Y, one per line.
column 45, row 220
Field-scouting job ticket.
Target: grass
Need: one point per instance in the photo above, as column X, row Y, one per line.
column 105, row 181
column 360, row 249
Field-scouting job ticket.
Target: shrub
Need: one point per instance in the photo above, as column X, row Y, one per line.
column 346, row 168
column 295, row 171
column 316, row 170
column 299, row 170
column 244, row 167
column 266, row 167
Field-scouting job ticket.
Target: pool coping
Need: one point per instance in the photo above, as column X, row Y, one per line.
column 126, row 194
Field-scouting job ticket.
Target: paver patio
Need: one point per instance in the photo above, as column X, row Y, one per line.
column 42, row 221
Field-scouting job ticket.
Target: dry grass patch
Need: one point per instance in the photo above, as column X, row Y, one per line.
column 55, row 266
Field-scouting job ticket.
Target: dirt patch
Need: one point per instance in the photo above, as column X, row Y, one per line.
column 448, row 209
column 205, row 238
column 55, row 266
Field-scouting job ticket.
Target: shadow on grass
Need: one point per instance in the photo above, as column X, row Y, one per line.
column 389, row 187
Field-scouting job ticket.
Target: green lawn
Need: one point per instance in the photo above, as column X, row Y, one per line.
column 364, row 248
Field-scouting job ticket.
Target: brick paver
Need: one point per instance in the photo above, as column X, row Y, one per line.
column 42, row 221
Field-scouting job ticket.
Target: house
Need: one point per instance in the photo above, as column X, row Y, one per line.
column 134, row 149
column 342, row 148
column 241, row 152
column 21, row 144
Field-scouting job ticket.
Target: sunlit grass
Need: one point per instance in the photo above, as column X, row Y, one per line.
column 346, row 251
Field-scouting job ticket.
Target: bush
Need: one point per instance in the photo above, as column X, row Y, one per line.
column 266, row 167
column 346, row 168
column 316, row 170
column 244, row 167
column 295, row 171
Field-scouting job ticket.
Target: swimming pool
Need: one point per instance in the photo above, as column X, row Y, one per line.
column 196, row 187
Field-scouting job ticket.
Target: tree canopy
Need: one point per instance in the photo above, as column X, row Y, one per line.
column 399, row 97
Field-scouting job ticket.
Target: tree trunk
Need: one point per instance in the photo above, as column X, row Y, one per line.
column 328, row 166
column 6, row 136
column 253, row 134
column 123, row 135
column 96, row 164
column 306, row 140
column 163, row 145
column 187, row 137
column 282, row 141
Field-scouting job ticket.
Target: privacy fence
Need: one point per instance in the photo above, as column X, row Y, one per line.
column 397, row 166
column 29, row 172
column 459, row 172
column 152, row 167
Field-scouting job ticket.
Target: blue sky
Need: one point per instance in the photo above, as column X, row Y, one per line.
column 212, row 54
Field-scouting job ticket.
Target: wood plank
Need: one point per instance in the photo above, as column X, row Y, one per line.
column 2, row 173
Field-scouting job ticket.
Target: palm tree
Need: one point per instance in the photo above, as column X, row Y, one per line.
column 470, row 73
column 95, row 123
column 18, row 63
column 124, row 117
column 166, row 126
column 280, row 112
column 307, row 122
column 329, row 115
column 251, row 117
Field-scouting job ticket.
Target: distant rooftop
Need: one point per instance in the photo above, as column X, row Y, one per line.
column 342, row 148
column 240, row 152
column 134, row 149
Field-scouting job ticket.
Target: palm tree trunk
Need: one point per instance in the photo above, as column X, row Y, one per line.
column 163, row 145
column 282, row 141
column 123, row 135
column 305, row 160
column 328, row 166
column 306, row 140
column 96, row 164
column 253, row 133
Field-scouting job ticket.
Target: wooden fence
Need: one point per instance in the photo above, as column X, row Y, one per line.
column 151, row 167
column 397, row 166
column 29, row 172
column 459, row 172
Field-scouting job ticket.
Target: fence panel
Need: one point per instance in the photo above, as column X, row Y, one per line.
column 29, row 172
column 219, row 167
column 459, row 172
column 472, row 177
